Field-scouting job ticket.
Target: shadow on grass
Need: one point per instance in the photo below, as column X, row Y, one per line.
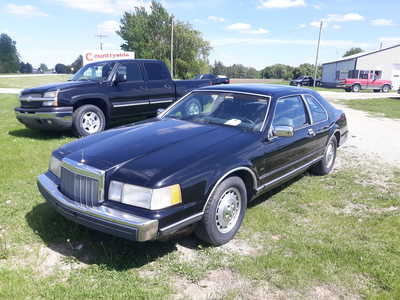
column 40, row 135
column 93, row 247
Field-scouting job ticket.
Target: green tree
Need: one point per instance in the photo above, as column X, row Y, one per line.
column 353, row 51
column 149, row 35
column 77, row 64
column 43, row 68
column 25, row 67
column 9, row 58
column 61, row 69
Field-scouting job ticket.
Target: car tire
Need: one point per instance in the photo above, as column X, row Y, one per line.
column 386, row 88
column 224, row 212
column 87, row 120
column 356, row 88
column 325, row 166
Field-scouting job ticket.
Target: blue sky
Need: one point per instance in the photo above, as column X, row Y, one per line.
column 254, row 32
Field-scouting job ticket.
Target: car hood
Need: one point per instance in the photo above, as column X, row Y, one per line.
column 58, row 86
column 145, row 153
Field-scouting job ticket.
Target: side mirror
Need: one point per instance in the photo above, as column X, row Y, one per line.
column 160, row 111
column 119, row 77
column 283, row 131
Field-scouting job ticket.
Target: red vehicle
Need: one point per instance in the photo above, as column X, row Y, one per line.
column 361, row 80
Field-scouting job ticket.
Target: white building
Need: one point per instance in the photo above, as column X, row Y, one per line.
column 385, row 61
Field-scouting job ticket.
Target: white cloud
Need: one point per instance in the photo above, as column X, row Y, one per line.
column 256, row 31
column 239, row 26
column 25, row 10
column 315, row 24
column 265, row 41
column 382, row 22
column 281, row 3
column 302, row 26
column 317, row 6
column 106, row 6
column 110, row 26
column 344, row 18
column 336, row 26
column 216, row 19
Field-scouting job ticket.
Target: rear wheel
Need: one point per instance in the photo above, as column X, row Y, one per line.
column 356, row 88
column 87, row 120
column 325, row 166
column 386, row 88
column 224, row 212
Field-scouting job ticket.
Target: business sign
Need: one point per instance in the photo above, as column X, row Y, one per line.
column 100, row 55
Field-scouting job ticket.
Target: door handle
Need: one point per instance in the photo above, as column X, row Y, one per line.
column 167, row 86
column 311, row 132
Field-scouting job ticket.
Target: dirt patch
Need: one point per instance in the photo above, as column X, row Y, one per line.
column 329, row 292
column 217, row 284
column 46, row 260
column 241, row 247
column 359, row 210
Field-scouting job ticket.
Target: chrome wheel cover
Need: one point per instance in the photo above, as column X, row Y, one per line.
column 193, row 108
column 90, row 122
column 330, row 155
column 228, row 210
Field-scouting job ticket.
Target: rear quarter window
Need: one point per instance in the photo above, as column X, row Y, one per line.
column 318, row 113
column 156, row 71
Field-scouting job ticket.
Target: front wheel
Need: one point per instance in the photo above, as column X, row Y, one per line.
column 325, row 166
column 386, row 88
column 224, row 212
column 356, row 88
column 87, row 120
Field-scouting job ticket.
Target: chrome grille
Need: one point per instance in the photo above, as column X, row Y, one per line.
column 80, row 188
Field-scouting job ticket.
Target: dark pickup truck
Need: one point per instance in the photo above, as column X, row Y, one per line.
column 102, row 93
column 305, row 81
column 215, row 79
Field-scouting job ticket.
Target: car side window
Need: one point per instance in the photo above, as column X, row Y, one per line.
column 130, row 71
column 290, row 111
column 156, row 71
column 318, row 113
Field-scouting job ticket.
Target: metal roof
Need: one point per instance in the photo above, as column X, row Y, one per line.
column 350, row 57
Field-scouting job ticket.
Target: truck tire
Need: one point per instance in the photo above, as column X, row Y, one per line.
column 88, row 119
column 356, row 88
column 325, row 166
column 386, row 88
column 224, row 212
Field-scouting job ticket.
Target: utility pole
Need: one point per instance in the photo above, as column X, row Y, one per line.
column 316, row 56
column 172, row 47
column 101, row 36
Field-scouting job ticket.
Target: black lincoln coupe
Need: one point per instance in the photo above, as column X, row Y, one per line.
column 198, row 163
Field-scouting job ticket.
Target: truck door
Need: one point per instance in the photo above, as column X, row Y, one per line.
column 128, row 93
column 160, row 87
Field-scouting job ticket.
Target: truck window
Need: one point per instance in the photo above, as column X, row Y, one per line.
column 131, row 71
column 156, row 71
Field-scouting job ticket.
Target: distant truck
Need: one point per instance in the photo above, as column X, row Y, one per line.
column 101, row 93
column 358, row 80
column 215, row 79
column 305, row 81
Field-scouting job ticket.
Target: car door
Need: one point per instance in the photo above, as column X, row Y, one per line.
column 128, row 94
column 160, row 87
column 286, row 154
column 319, row 133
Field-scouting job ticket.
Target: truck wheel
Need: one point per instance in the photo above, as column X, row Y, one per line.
column 87, row 120
column 224, row 212
column 193, row 108
column 325, row 166
column 356, row 88
column 386, row 88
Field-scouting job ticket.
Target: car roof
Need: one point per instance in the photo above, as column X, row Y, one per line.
column 273, row 90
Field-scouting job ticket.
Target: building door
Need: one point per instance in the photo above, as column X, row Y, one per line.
column 396, row 76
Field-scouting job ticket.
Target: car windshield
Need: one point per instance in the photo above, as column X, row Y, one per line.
column 222, row 108
column 97, row 71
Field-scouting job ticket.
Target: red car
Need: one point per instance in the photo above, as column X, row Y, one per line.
column 371, row 80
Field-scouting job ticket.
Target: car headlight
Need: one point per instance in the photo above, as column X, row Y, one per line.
column 144, row 197
column 55, row 166
column 50, row 95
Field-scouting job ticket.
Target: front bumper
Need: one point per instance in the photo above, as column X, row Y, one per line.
column 59, row 118
column 101, row 218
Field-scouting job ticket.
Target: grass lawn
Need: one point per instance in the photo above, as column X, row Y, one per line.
column 31, row 81
column 336, row 235
column 388, row 107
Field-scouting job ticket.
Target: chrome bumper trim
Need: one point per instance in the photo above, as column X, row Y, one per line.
column 46, row 115
column 147, row 229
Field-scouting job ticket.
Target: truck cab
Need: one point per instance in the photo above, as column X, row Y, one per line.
column 358, row 80
column 103, row 93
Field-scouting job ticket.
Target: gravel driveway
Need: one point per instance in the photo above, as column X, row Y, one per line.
column 370, row 137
